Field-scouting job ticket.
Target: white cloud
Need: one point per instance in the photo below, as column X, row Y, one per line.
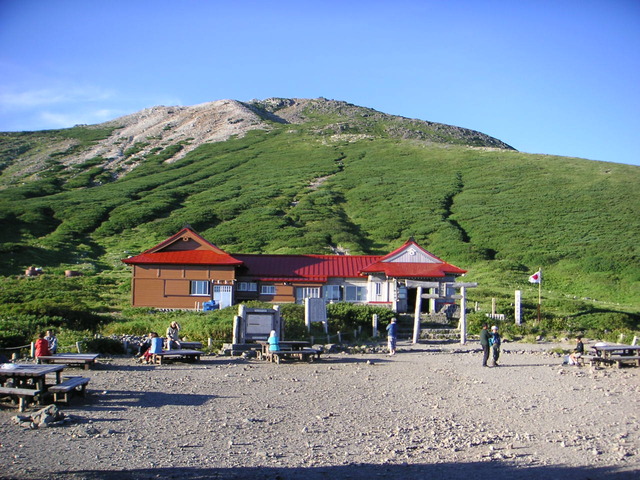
column 69, row 119
column 14, row 99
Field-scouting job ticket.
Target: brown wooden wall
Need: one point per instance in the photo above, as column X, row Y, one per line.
column 169, row 286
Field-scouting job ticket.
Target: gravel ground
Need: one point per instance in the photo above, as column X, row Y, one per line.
column 431, row 410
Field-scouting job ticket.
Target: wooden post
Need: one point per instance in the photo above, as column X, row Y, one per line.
column 236, row 330
column 79, row 347
column 374, row 322
column 416, row 319
column 339, row 337
column 209, row 342
column 463, row 316
column 518, row 307
column 493, row 306
column 33, row 350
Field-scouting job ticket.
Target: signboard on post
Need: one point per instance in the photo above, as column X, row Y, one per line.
column 257, row 323
column 315, row 310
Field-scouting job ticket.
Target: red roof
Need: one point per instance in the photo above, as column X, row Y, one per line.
column 184, row 257
column 172, row 252
column 304, row 267
column 414, row 270
column 188, row 248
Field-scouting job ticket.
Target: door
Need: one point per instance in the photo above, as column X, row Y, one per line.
column 222, row 294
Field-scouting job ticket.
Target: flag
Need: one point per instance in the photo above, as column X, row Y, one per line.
column 536, row 277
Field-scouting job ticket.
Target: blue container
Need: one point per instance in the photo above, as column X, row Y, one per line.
column 209, row 306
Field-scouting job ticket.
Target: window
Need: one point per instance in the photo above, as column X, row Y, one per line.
column 268, row 290
column 332, row 293
column 378, row 287
column 247, row 287
column 355, row 294
column 199, row 287
column 307, row 292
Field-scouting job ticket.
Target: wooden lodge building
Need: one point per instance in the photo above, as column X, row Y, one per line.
column 185, row 271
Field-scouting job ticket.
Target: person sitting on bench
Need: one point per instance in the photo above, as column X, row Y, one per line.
column 42, row 347
column 155, row 348
column 274, row 342
column 577, row 352
column 173, row 336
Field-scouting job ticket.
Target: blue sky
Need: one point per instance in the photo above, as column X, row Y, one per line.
column 557, row 77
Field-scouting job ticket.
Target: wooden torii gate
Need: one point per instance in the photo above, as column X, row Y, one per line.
column 442, row 288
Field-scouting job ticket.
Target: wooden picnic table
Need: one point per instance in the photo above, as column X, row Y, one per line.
column 176, row 354
column 289, row 349
column 284, row 345
column 28, row 381
column 87, row 360
column 615, row 354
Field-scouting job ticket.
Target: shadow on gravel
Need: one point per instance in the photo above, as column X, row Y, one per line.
column 124, row 399
column 494, row 470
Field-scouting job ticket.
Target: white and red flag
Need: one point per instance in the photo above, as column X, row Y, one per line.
column 536, row 277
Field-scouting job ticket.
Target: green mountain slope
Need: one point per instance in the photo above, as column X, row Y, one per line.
column 322, row 176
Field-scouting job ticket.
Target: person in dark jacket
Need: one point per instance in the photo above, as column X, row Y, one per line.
column 484, row 342
column 392, row 335
column 577, row 352
column 495, row 341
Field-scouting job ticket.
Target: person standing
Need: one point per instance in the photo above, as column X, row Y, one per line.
column 495, row 342
column 484, row 343
column 392, row 336
column 53, row 341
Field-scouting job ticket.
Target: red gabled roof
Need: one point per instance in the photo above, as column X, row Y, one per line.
column 397, row 264
column 196, row 251
column 414, row 270
column 316, row 268
column 188, row 248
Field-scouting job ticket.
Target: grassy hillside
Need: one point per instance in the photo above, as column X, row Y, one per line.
column 334, row 183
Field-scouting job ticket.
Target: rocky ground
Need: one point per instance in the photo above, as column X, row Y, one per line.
column 430, row 411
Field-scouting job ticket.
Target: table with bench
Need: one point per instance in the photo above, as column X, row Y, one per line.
column 297, row 349
column 184, row 354
column 24, row 383
column 614, row 355
column 86, row 360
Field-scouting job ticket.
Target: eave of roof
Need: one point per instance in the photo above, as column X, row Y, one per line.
column 183, row 257
column 414, row 270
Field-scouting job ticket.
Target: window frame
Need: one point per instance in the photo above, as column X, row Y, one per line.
column 268, row 290
column 195, row 291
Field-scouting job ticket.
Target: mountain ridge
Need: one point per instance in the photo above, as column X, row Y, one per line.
column 138, row 134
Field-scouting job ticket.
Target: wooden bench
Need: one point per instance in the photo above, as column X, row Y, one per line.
column 620, row 359
column 86, row 360
column 594, row 360
column 21, row 394
column 305, row 354
column 190, row 345
column 69, row 386
column 178, row 354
